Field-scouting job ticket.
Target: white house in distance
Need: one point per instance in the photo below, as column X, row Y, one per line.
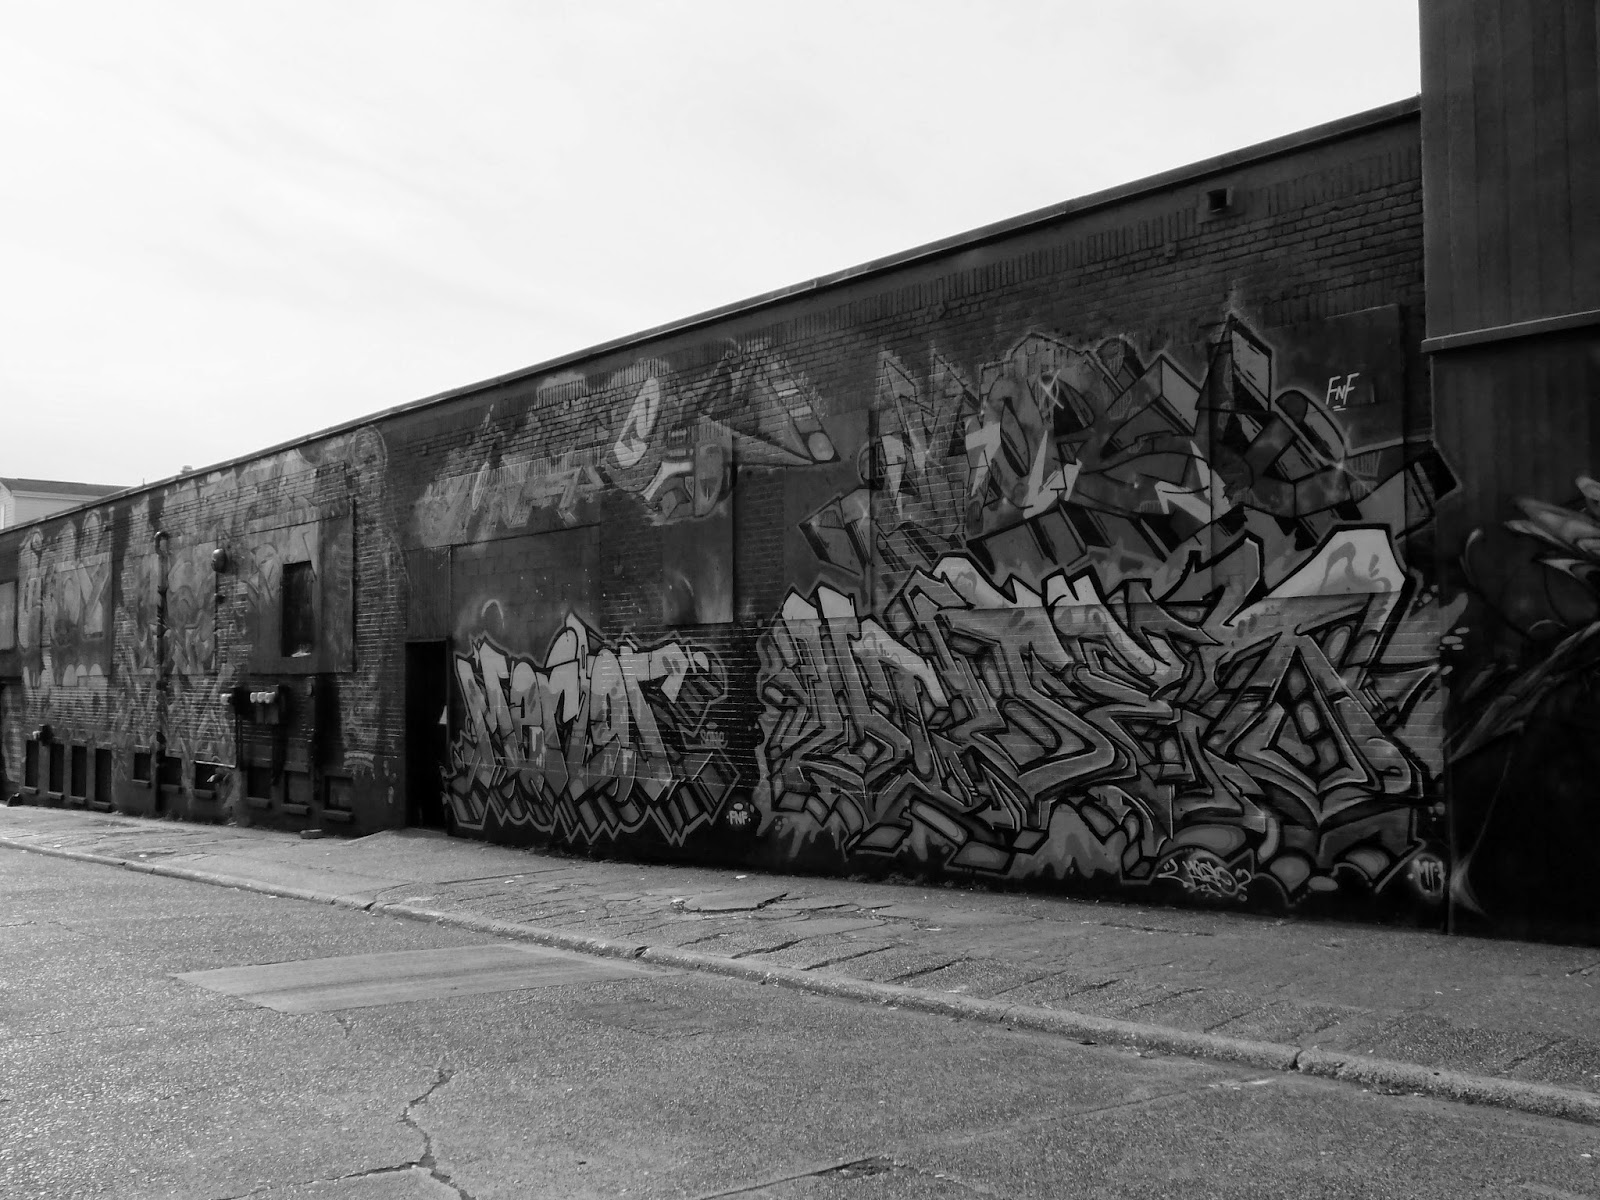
column 29, row 499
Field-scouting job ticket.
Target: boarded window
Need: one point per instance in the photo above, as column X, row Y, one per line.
column 207, row 776
column 258, row 781
column 80, row 772
column 102, row 776
column 299, row 610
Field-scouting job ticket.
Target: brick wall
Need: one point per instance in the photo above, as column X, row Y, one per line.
column 1086, row 553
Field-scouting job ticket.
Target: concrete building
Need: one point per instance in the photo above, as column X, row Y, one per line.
column 1127, row 545
column 25, row 500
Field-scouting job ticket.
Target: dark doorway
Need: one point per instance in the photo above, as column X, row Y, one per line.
column 427, row 738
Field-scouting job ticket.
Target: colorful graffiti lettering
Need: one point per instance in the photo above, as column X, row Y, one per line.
column 595, row 742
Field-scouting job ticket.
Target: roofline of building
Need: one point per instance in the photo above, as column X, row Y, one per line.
column 1330, row 131
column 54, row 487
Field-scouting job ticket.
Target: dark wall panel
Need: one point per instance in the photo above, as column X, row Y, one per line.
column 519, row 591
column 1520, row 553
column 1511, row 134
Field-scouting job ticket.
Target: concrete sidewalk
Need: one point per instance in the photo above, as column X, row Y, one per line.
column 1509, row 1023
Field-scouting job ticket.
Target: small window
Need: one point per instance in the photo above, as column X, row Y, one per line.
column 299, row 610
column 207, row 776
column 102, row 776
column 58, row 768
column 171, row 771
column 80, row 773
column 337, row 792
column 30, row 764
column 141, row 766
column 258, row 781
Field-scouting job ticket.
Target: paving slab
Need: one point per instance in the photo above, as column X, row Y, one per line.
column 401, row 976
column 732, row 900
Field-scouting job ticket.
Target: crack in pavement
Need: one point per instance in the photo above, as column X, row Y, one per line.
column 1092, row 987
column 828, row 962
column 1163, row 998
column 926, row 970
column 1522, row 1058
column 370, row 1173
column 1022, row 983
column 765, row 949
column 856, row 1168
column 1026, row 982
column 1062, row 1116
column 65, row 928
column 99, row 1027
column 1238, row 1016
column 425, row 1163
column 1152, row 928
column 710, row 937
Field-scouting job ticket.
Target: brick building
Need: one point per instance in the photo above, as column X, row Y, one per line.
column 1111, row 547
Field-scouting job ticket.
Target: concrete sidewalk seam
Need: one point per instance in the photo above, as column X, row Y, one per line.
column 1388, row 1075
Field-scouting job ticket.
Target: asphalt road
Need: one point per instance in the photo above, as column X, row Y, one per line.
column 118, row 1079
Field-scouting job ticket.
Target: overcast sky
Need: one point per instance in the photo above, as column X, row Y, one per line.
column 226, row 225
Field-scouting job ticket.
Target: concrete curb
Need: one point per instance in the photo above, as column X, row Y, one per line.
column 1379, row 1074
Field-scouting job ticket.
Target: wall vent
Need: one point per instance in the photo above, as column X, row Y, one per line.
column 1218, row 202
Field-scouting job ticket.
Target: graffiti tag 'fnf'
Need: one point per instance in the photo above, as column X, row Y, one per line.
column 1221, row 735
column 594, row 743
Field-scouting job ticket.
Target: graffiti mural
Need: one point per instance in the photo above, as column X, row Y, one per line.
column 1567, row 543
column 1042, row 609
column 1209, row 740
column 672, row 443
column 77, row 604
column 1524, row 670
column 1060, row 455
column 1134, row 623
column 130, row 633
column 595, row 742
